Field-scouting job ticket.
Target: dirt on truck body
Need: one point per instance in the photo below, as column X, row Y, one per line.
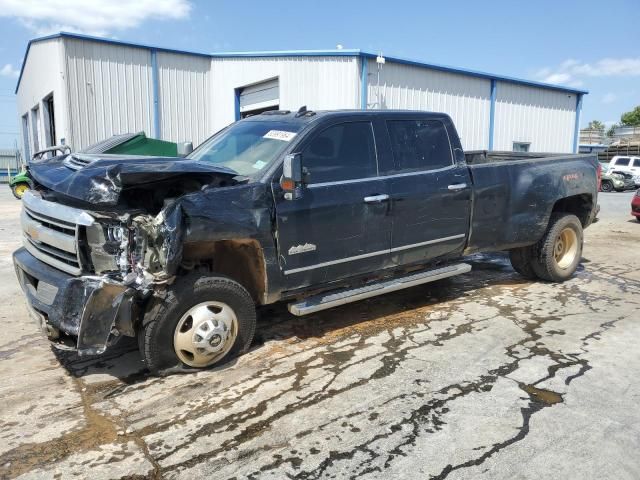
column 317, row 208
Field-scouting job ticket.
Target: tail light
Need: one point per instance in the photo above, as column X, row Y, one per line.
column 599, row 175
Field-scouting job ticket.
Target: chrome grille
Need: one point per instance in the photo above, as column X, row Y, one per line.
column 51, row 232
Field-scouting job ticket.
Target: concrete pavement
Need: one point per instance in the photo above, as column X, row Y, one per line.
column 480, row 376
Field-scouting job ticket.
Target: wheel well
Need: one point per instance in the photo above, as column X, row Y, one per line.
column 239, row 259
column 579, row 205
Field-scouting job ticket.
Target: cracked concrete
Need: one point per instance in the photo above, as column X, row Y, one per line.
column 481, row 376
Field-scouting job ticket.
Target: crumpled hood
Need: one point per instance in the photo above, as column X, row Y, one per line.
column 102, row 180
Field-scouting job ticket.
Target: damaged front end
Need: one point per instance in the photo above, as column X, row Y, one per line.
column 89, row 274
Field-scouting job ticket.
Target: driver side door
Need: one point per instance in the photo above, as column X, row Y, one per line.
column 341, row 225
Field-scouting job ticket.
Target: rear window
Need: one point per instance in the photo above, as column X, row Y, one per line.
column 419, row 145
column 622, row 162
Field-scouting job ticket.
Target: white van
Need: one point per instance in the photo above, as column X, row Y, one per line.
column 625, row 164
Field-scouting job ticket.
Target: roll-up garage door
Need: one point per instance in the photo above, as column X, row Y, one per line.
column 260, row 97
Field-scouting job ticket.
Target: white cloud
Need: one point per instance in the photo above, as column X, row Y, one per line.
column 96, row 17
column 609, row 98
column 9, row 71
column 570, row 71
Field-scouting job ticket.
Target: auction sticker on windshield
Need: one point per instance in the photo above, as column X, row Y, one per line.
column 280, row 135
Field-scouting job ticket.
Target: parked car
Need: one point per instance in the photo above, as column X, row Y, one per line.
column 611, row 182
column 635, row 205
column 627, row 178
column 626, row 164
column 317, row 209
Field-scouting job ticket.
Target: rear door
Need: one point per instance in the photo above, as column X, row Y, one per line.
column 341, row 226
column 431, row 193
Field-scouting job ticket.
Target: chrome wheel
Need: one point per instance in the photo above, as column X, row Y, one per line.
column 565, row 248
column 205, row 334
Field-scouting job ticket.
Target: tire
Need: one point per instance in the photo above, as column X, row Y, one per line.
column 222, row 304
column 19, row 189
column 521, row 259
column 606, row 186
column 557, row 255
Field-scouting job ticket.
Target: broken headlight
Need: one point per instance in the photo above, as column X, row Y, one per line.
column 109, row 247
column 115, row 233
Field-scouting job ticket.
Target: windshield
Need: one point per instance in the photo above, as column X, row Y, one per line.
column 247, row 147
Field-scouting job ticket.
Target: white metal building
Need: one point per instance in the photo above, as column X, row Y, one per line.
column 81, row 89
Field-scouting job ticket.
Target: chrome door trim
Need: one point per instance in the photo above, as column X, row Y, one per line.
column 428, row 242
column 372, row 254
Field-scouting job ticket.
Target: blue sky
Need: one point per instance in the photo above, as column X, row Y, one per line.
column 587, row 44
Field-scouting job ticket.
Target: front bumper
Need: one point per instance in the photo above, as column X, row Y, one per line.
column 95, row 311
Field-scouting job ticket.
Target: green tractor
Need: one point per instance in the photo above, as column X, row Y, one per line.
column 125, row 144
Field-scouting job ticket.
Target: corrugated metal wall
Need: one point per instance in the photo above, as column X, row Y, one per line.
column 320, row 83
column 544, row 118
column 466, row 99
column 42, row 76
column 109, row 90
column 184, row 97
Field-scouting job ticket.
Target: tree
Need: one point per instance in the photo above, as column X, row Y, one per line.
column 612, row 130
column 632, row 118
column 596, row 125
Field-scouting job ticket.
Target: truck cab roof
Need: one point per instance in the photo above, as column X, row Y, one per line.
column 309, row 116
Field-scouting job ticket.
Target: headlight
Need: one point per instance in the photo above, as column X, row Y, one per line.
column 115, row 233
column 108, row 247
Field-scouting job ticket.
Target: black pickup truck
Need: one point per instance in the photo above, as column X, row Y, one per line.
column 314, row 208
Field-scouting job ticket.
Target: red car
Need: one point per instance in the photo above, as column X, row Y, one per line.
column 635, row 205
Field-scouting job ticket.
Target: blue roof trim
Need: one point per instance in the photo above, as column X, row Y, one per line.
column 290, row 53
column 476, row 73
column 308, row 53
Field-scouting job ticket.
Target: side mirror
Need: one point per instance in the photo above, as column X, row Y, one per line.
column 184, row 149
column 291, row 181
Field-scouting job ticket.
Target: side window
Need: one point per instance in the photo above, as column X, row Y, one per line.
column 341, row 152
column 636, row 162
column 419, row 145
column 622, row 162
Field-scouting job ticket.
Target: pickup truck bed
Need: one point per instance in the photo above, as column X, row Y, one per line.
column 515, row 193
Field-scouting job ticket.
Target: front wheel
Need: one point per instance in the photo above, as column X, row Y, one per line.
column 202, row 321
column 558, row 253
column 606, row 186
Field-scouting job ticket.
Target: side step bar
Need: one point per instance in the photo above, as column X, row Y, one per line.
column 342, row 297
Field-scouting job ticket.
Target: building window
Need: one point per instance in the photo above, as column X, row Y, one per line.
column 26, row 137
column 521, row 146
column 50, row 124
column 35, row 121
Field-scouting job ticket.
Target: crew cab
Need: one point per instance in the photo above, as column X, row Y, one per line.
column 316, row 209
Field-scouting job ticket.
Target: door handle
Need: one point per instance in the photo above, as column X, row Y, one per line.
column 376, row 198
column 457, row 186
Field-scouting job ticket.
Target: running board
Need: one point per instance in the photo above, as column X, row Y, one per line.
column 342, row 297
